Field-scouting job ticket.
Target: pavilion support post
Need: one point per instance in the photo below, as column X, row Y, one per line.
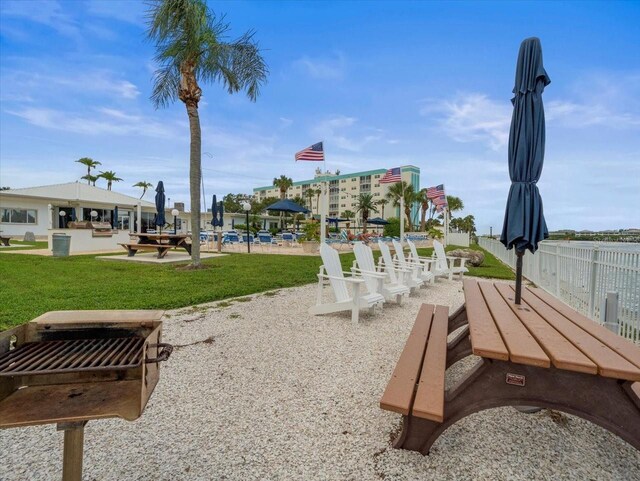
column 519, row 255
column 73, row 450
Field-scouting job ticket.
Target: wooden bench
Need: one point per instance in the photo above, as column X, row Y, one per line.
column 162, row 249
column 539, row 353
column 5, row 240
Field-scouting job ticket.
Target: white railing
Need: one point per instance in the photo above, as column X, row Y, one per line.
column 581, row 274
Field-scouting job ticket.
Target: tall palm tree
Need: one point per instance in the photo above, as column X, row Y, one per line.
column 318, row 193
column 91, row 179
column 110, row 177
column 424, row 201
column 406, row 190
column 282, row 183
column 309, row 194
column 382, row 203
column 191, row 47
column 365, row 205
column 144, row 186
column 91, row 164
column 347, row 214
column 454, row 203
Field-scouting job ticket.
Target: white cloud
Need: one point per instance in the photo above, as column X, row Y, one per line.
column 323, row 68
column 49, row 13
column 472, row 117
column 111, row 122
column 603, row 100
column 342, row 132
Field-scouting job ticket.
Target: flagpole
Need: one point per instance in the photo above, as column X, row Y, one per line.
column 323, row 215
column 401, row 208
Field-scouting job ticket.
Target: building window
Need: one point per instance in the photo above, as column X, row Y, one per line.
column 19, row 216
column 377, row 176
column 343, row 205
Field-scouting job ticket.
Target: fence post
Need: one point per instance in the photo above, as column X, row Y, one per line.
column 609, row 313
column 592, row 282
column 557, row 293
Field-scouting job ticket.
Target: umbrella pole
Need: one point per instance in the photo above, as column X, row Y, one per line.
column 519, row 275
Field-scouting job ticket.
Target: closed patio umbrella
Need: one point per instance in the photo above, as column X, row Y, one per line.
column 524, row 225
column 160, row 200
column 214, row 212
column 221, row 217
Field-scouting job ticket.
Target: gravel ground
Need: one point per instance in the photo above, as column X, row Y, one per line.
column 258, row 389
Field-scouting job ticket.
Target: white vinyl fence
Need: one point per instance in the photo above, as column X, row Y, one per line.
column 581, row 274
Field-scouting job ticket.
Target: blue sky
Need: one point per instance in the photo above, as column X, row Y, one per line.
column 382, row 83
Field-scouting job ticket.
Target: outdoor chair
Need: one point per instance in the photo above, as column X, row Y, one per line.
column 331, row 270
column 445, row 265
column 412, row 278
column 424, row 272
column 383, row 281
column 289, row 239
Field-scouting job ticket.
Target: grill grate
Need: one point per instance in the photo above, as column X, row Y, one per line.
column 54, row 357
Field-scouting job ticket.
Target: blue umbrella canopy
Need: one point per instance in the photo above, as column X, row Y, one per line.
column 524, row 225
column 286, row 205
column 377, row 221
column 221, row 219
column 160, row 200
column 214, row 212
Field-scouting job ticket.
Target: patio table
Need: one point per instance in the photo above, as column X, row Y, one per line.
column 160, row 242
column 538, row 353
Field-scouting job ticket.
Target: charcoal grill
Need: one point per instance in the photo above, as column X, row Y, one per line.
column 68, row 367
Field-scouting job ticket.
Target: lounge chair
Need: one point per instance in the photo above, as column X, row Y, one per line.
column 412, row 277
column 332, row 270
column 289, row 239
column 385, row 282
column 445, row 265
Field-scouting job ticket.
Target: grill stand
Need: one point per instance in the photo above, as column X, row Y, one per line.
column 73, row 450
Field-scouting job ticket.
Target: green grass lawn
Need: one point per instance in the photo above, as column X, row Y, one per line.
column 21, row 245
column 31, row 285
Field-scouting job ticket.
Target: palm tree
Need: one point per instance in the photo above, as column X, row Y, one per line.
column 309, row 194
column 91, row 179
column 144, row 186
column 347, row 214
column 91, row 164
column 282, row 183
column 318, row 193
column 454, row 203
column 110, row 177
column 191, row 47
column 402, row 189
column 365, row 204
column 382, row 203
column 424, row 201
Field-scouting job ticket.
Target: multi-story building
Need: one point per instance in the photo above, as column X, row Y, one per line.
column 344, row 190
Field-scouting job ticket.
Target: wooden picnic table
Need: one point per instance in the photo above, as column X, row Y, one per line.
column 160, row 242
column 539, row 353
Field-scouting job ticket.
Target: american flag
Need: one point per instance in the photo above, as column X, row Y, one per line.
column 437, row 191
column 440, row 200
column 440, row 207
column 314, row 153
column 392, row 176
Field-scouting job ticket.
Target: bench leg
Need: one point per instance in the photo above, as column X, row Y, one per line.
column 459, row 347
column 131, row 252
column 457, row 319
column 489, row 384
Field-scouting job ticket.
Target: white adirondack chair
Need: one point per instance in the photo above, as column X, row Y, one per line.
column 412, row 279
column 375, row 279
column 421, row 268
column 427, row 262
column 332, row 270
column 445, row 265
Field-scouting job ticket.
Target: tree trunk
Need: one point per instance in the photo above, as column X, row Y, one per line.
column 423, row 216
column 195, row 176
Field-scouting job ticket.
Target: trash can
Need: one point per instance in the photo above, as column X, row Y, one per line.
column 60, row 245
